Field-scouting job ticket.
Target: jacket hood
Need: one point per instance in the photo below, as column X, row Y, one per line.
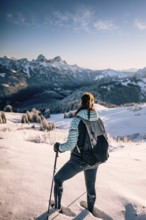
column 84, row 114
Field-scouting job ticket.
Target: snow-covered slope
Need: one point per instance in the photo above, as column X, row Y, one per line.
column 27, row 159
column 120, row 122
column 126, row 121
column 114, row 73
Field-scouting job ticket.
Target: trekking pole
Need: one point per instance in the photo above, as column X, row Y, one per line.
column 52, row 185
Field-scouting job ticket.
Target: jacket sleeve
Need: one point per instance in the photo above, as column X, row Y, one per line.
column 72, row 136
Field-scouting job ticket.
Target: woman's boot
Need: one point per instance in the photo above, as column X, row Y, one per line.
column 90, row 202
column 58, row 195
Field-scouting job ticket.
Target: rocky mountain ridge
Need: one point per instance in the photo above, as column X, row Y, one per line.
column 51, row 83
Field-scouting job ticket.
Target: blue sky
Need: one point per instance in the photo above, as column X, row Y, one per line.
column 96, row 34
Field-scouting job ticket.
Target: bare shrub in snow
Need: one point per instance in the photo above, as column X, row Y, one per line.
column 36, row 139
column 70, row 114
column 24, row 119
column 135, row 107
column 45, row 137
column 34, row 110
column 45, row 125
column 123, row 139
column 3, row 119
column 29, row 115
column 36, row 118
column 8, row 108
column 47, row 113
column 50, row 137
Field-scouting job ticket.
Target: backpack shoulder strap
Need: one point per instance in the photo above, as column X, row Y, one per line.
column 91, row 133
column 85, row 142
column 103, row 128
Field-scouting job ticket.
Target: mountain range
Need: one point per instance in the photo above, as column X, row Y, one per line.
column 54, row 84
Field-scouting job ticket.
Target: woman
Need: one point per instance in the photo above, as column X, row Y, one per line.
column 74, row 143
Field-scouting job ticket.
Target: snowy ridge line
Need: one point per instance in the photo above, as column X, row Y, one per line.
column 61, row 65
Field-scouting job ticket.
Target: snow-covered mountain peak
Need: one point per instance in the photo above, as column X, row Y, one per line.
column 109, row 72
column 6, row 57
column 141, row 72
column 56, row 62
column 24, row 60
column 57, row 59
column 41, row 58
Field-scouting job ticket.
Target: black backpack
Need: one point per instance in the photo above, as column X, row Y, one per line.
column 95, row 147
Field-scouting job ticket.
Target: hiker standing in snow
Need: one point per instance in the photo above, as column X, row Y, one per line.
column 76, row 138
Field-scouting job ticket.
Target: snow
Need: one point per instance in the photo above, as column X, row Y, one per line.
column 128, row 120
column 142, row 84
column 114, row 73
column 61, row 65
column 27, row 159
column 27, row 66
column 3, row 74
column 14, row 71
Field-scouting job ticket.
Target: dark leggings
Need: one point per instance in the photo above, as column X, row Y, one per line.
column 70, row 169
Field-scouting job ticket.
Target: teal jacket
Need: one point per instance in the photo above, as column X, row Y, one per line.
column 72, row 139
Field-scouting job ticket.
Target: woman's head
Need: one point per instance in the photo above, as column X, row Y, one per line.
column 87, row 101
